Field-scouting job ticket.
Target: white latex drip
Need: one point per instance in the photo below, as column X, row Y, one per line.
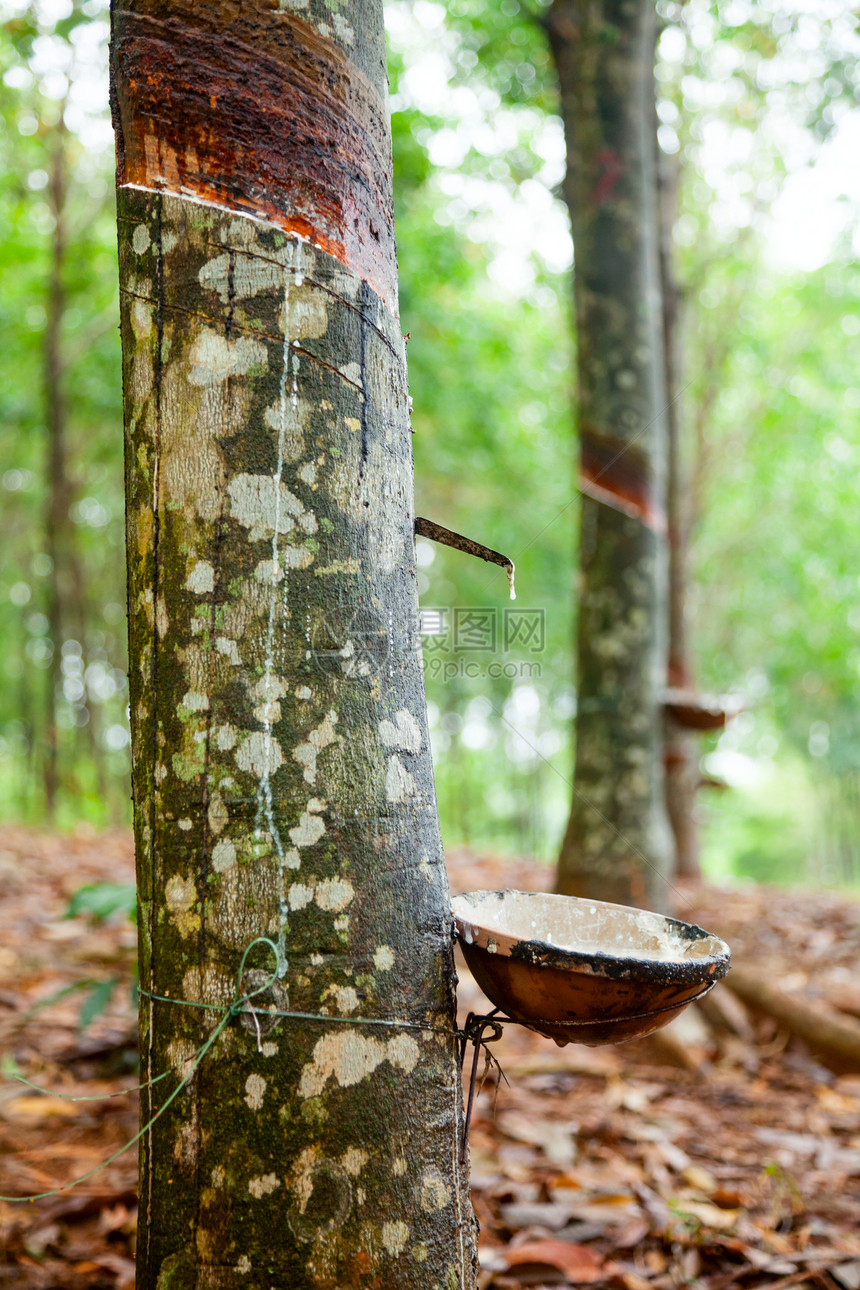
column 583, row 927
column 265, row 809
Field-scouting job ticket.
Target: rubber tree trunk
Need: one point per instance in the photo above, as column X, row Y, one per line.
column 682, row 761
column 617, row 845
column 282, row 776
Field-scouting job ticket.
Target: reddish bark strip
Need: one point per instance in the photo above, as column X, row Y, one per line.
column 296, row 134
column 615, row 474
column 612, row 172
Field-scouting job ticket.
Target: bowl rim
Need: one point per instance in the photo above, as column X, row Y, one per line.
column 479, row 934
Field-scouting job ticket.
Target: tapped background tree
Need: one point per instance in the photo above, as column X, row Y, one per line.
column 617, row 845
column 282, row 776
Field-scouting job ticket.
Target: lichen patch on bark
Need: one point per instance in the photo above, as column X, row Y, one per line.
column 335, row 894
column 348, row 1056
column 395, row 1235
column 403, row 732
column 399, row 784
column 213, row 359
column 201, row 579
column 255, row 1089
column 318, row 739
column 383, row 957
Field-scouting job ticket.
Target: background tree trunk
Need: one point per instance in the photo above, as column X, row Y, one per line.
column 682, row 760
column 282, row 776
column 617, row 845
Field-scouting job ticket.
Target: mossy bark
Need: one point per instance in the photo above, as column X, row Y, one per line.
column 617, row 845
column 283, row 784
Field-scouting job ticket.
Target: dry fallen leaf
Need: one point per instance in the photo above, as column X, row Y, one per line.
column 556, row 1140
column 778, row 1242
column 631, row 1233
column 701, row 1179
column 522, row 1214
column 620, row 1094
column 41, row 1108
column 656, row 1262
column 721, row 1220
column 575, row 1262
column 632, row 1281
column 606, row 1210
column 847, row 1275
column 835, row 1102
column 727, row 1198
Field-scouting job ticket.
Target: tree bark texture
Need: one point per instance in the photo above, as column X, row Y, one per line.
column 617, row 845
column 282, row 776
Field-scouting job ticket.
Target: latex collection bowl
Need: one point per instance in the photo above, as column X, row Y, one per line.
column 584, row 971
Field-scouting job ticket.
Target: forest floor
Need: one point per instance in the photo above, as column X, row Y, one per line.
column 718, row 1154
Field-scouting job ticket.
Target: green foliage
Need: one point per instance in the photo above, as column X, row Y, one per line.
column 103, row 900
column 776, row 601
column 97, row 1000
column 97, row 992
column 505, row 44
column 92, row 699
column 489, row 377
column 762, row 830
column 98, row 901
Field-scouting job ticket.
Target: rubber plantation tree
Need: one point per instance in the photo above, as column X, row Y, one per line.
column 617, row 845
column 682, row 752
column 283, row 784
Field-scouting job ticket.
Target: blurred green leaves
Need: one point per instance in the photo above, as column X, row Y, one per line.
column 100, row 901
column 51, row 64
